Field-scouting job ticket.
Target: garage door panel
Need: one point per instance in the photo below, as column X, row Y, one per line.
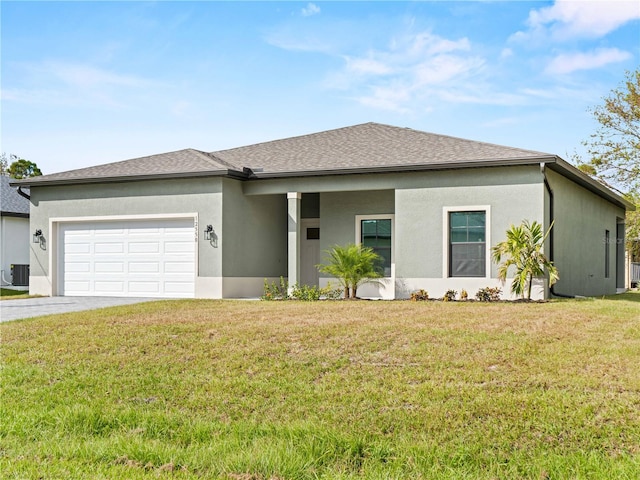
column 177, row 289
column 109, row 286
column 144, row 267
column 144, row 288
column 108, row 267
column 178, row 247
column 72, row 248
column 110, row 247
column 79, row 267
column 144, row 247
column 129, row 258
column 178, row 267
column 78, row 286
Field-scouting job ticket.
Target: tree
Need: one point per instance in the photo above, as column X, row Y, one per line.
column 21, row 168
column 353, row 265
column 523, row 250
column 615, row 150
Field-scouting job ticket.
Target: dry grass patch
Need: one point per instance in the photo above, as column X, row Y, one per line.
column 217, row 389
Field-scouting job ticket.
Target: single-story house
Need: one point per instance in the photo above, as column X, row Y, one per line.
column 14, row 236
column 217, row 224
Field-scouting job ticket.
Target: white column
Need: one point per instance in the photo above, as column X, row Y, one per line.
column 293, row 257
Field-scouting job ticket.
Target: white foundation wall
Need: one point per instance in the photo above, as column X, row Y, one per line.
column 437, row 287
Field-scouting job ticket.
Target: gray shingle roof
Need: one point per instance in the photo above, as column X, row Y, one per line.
column 179, row 163
column 369, row 146
column 365, row 147
column 10, row 201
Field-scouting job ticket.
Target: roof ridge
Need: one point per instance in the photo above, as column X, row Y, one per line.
column 213, row 159
column 313, row 134
column 453, row 137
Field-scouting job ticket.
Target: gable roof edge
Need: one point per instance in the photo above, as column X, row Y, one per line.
column 569, row 171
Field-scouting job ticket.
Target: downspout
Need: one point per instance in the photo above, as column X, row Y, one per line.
column 22, row 194
column 551, row 220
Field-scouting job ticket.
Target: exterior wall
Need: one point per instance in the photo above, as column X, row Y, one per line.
column 251, row 227
column 15, row 243
column 422, row 233
column 417, row 200
column 255, row 229
column 338, row 212
column 581, row 218
column 201, row 197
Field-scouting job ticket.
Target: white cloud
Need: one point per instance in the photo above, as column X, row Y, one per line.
column 568, row 63
column 414, row 69
column 310, row 9
column 364, row 66
column 574, row 18
column 84, row 76
column 74, row 84
column 506, row 53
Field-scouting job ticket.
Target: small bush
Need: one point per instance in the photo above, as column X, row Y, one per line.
column 464, row 295
column 307, row 293
column 489, row 294
column 449, row 296
column 330, row 293
column 275, row 291
column 420, row 295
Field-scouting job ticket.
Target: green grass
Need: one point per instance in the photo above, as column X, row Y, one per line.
column 329, row 390
column 8, row 294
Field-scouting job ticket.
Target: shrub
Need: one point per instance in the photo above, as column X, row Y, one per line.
column 275, row 291
column 523, row 250
column 464, row 295
column 489, row 294
column 420, row 295
column 353, row 265
column 330, row 293
column 305, row 292
column 449, row 296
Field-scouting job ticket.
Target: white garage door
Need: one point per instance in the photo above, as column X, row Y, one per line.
column 141, row 258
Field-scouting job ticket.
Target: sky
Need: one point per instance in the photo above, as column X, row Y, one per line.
column 86, row 83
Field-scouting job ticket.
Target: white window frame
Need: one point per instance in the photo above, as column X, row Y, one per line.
column 388, row 216
column 446, row 232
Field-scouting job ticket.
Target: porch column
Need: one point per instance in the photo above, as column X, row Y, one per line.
column 293, row 257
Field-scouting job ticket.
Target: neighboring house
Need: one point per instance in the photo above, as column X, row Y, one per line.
column 14, row 236
column 216, row 225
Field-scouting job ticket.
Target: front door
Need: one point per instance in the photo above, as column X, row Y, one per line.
column 309, row 251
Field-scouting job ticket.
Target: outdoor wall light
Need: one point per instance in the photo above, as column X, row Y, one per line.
column 37, row 236
column 211, row 236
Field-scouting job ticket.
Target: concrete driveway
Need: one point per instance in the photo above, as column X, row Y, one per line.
column 34, row 307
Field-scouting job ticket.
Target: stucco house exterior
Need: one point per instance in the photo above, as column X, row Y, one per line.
column 217, row 224
column 14, row 236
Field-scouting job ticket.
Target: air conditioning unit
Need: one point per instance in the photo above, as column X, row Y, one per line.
column 20, row 275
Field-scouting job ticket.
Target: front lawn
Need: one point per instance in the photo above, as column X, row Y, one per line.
column 334, row 390
column 9, row 293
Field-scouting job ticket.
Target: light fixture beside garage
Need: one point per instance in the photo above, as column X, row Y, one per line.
column 38, row 237
column 211, row 236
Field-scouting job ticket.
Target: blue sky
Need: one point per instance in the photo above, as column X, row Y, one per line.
column 85, row 83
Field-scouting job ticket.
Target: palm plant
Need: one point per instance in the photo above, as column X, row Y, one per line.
column 352, row 265
column 523, row 250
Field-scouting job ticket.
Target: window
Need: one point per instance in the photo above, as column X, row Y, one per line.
column 467, row 244
column 607, row 260
column 376, row 233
